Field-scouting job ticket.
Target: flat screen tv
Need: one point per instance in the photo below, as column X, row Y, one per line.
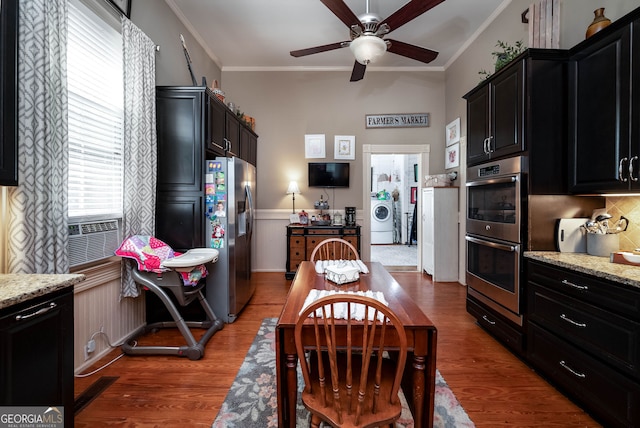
column 328, row 174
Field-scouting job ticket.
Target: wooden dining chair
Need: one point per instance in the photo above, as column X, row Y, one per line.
column 350, row 381
column 334, row 249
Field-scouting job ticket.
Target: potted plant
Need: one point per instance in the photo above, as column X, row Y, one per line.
column 504, row 56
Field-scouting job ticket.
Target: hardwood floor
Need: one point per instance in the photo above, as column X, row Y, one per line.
column 494, row 387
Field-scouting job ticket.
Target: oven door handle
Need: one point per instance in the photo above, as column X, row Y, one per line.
column 510, row 179
column 504, row 247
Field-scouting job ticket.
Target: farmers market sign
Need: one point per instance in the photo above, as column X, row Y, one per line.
column 405, row 120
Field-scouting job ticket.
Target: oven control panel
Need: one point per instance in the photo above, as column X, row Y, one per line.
column 489, row 171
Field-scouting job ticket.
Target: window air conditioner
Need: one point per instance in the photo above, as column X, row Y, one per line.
column 90, row 242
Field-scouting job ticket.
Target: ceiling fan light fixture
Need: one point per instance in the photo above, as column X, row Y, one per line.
column 367, row 49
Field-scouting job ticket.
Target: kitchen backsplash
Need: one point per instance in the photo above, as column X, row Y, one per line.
column 630, row 208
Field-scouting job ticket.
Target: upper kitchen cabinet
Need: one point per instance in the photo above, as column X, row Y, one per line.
column 604, row 137
column 522, row 108
column 248, row 145
column 494, row 116
column 232, row 134
column 192, row 125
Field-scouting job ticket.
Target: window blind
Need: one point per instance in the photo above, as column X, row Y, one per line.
column 96, row 109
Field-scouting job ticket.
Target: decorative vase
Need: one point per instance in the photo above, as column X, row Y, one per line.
column 599, row 22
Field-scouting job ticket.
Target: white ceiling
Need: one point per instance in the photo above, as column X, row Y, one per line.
column 259, row 34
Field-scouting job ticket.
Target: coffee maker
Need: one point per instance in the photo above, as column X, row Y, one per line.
column 350, row 216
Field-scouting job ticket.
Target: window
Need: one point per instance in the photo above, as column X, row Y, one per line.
column 96, row 109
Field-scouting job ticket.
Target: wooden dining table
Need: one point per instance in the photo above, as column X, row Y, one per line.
column 420, row 370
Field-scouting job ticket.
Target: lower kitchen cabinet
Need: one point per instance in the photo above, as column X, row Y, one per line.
column 583, row 334
column 502, row 329
column 36, row 358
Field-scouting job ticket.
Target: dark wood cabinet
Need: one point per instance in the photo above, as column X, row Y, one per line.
column 494, row 116
column 249, row 145
column 191, row 119
column 9, row 93
column 232, row 126
column 36, row 359
column 604, row 137
column 583, row 334
column 193, row 126
column 522, row 109
column 180, row 219
column 301, row 240
column 508, row 333
column 216, row 127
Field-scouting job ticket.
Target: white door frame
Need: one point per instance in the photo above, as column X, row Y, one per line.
column 423, row 169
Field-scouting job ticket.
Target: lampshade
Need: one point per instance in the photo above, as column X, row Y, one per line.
column 293, row 187
column 368, row 48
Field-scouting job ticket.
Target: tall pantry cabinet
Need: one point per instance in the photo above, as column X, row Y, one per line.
column 193, row 126
column 440, row 232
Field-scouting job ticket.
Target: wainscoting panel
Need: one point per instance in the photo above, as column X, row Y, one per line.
column 97, row 305
column 270, row 237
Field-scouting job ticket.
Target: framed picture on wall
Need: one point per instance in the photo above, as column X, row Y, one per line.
column 345, row 147
column 452, row 156
column 452, row 133
column 414, row 195
column 314, row 146
column 123, row 6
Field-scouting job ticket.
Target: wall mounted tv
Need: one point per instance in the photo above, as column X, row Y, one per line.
column 328, row 174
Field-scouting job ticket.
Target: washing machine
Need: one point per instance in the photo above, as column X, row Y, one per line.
column 381, row 221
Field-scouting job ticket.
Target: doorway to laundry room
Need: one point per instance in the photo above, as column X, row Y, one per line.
column 393, row 210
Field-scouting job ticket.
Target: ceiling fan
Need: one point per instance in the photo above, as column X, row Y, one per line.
column 366, row 34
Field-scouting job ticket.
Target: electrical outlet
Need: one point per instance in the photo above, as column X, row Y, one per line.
column 91, row 346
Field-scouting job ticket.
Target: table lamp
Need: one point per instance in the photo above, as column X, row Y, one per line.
column 293, row 189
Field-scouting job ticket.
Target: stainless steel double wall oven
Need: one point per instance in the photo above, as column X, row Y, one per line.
column 495, row 204
column 506, row 216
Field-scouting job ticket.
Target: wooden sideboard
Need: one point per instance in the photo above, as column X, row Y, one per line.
column 301, row 240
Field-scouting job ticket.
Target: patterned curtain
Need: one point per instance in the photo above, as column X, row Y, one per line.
column 140, row 153
column 37, row 230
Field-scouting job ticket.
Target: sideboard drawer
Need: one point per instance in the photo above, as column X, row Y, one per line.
column 323, row 232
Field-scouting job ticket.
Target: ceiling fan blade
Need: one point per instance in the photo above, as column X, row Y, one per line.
column 318, row 49
column 342, row 11
column 412, row 51
column 409, row 11
column 358, row 72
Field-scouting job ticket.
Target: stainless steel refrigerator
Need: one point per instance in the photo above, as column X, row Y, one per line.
column 230, row 185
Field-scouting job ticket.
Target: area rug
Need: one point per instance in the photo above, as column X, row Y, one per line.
column 252, row 402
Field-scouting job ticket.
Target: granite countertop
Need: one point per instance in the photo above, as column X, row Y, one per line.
column 600, row 267
column 18, row 288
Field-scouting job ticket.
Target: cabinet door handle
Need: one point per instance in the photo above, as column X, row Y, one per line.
column 489, row 145
column 485, row 145
column 620, row 169
column 484, row 317
column 571, row 284
column 572, row 371
column 631, row 177
column 36, row 313
column 570, row 321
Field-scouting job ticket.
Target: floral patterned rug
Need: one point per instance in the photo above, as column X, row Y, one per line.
column 251, row 401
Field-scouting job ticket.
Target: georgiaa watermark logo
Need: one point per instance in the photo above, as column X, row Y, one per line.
column 31, row 417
